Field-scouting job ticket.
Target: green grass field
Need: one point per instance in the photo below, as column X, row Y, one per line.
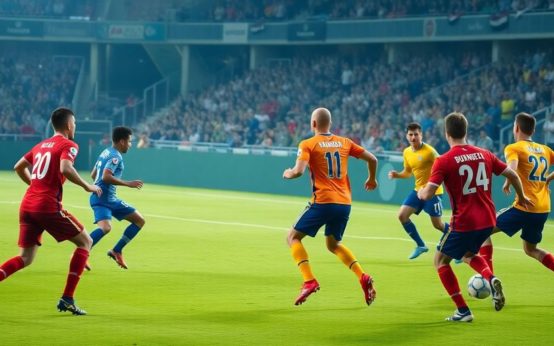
column 211, row 267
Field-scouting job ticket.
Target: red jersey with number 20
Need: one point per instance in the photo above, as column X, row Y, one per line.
column 467, row 175
column 45, row 193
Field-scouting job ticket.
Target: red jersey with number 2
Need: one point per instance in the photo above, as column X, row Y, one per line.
column 45, row 193
column 466, row 172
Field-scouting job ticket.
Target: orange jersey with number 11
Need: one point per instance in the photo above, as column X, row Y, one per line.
column 327, row 157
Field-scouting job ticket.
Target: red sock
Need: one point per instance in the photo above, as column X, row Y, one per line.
column 548, row 261
column 479, row 264
column 76, row 267
column 450, row 282
column 11, row 266
column 486, row 253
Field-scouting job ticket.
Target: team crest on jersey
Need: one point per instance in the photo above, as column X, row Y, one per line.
column 72, row 152
column 115, row 160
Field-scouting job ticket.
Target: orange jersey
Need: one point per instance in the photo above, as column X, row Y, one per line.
column 327, row 157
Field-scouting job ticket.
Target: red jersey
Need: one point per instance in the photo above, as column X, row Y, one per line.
column 45, row 193
column 467, row 175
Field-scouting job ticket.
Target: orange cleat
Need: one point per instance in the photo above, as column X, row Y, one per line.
column 118, row 258
column 367, row 286
column 307, row 288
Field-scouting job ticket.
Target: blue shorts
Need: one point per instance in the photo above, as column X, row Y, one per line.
column 511, row 220
column 333, row 216
column 457, row 244
column 105, row 210
column 433, row 207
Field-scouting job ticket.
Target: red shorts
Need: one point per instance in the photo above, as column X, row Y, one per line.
column 61, row 225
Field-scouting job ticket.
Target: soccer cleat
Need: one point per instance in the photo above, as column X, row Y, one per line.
column 367, row 286
column 66, row 305
column 497, row 294
column 461, row 316
column 118, row 258
column 87, row 266
column 307, row 288
column 418, row 251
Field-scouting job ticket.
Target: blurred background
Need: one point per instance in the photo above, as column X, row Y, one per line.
column 242, row 77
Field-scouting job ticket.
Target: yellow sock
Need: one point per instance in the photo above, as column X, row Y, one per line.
column 347, row 257
column 301, row 258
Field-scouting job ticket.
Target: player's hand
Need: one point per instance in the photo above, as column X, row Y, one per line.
column 392, row 174
column 370, row 184
column 525, row 202
column 287, row 174
column 94, row 189
column 137, row 184
column 506, row 188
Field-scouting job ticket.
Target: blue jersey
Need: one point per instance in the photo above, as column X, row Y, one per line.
column 112, row 160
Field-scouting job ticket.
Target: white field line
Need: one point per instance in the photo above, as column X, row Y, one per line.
column 251, row 225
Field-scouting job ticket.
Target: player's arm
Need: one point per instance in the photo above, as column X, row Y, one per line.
column 549, row 178
column 296, row 171
column 427, row 192
column 506, row 187
column 514, row 180
column 400, row 175
column 93, row 173
column 109, row 178
column 67, row 169
column 371, row 182
column 22, row 169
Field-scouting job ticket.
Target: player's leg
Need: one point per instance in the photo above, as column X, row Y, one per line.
column 486, row 250
column 433, row 208
column 102, row 219
column 412, row 205
column 76, row 267
column 14, row 264
column 308, row 223
column 137, row 222
column 452, row 246
column 532, row 236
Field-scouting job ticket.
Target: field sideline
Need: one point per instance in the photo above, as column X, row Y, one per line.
column 212, row 268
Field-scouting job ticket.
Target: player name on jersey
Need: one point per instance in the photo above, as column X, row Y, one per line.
column 536, row 150
column 330, row 144
column 469, row 157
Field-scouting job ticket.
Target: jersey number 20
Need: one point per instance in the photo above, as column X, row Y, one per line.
column 481, row 178
column 330, row 167
column 42, row 162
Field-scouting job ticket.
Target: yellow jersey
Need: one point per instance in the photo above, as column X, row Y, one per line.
column 327, row 157
column 419, row 163
column 533, row 162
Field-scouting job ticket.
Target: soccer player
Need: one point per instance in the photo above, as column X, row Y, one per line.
column 45, row 168
column 418, row 161
column 327, row 157
column 467, row 171
column 107, row 174
column 531, row 161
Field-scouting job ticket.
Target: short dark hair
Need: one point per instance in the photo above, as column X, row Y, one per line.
column 60, row 117
column 455, row 124
column 121, row 132
column 526, row 123
column 413, row 127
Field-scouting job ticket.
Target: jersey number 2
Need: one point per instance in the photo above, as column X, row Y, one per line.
column 42, row 162
column 330, row 167
column 480, row 180
column 535, row 162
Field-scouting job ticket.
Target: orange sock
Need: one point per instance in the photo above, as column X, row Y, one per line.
column 301, row 258
column 347, row 257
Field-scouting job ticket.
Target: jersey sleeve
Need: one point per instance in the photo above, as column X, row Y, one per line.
column 112, row 163
column 407, row 166
column 29, row 157
column 355, row 149
column 498, row 167
column 69, row 151
column 510, row 153
column 438, row 172
column 303, row 151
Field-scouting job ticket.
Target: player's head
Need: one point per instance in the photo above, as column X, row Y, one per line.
column 321, row 120
column 455, row 125
column 525, row 124
column 63, row 121
column 122, row 138
column 413, row 134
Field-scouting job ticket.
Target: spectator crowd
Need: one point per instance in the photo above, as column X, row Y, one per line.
column 371, row 101
column 47, row 8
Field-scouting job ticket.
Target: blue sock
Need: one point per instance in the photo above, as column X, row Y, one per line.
column 412, row 232
column 96, row 235
column 130, row 232
column 446, row 227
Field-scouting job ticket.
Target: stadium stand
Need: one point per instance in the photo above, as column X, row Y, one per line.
column 48, row 8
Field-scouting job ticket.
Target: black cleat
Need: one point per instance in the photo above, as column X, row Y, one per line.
column 66, row 305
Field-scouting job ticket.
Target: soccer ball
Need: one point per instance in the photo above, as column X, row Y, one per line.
column 478, row 287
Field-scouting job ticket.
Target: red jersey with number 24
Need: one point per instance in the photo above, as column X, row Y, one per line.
column 466, row 172
column 45, row 193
